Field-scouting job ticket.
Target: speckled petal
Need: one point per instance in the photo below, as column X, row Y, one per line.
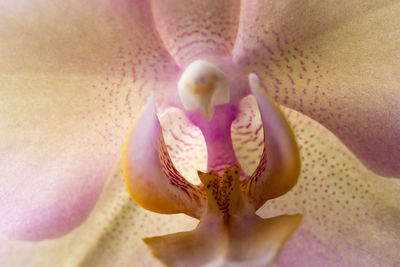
column 151, row 177
column 191, row 28
column 351, row 215
column 73, row 74
column 335, row 61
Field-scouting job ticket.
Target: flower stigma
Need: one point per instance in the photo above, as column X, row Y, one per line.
column 202, row 86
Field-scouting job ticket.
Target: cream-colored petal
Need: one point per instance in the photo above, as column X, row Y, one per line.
column 73, row 75
column 335, row 61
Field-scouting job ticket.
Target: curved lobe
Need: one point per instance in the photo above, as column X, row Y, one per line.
column 150, row 175
column 336, row 62
column 190, row 28
column 73, row 75
column 279, row 166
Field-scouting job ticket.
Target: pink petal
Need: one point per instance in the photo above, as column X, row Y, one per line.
column 73, row 75
column 337, row 62
column 191, row 28
column 110, row 236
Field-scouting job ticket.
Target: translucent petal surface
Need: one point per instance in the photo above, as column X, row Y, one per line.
column 190, row 28
column 335, row 61
column 72, row 77
column 350, row 214
column 111, row 236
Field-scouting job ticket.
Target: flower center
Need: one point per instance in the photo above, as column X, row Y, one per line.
column 202, row 86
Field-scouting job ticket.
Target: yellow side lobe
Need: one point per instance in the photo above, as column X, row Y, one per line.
column 150, row 176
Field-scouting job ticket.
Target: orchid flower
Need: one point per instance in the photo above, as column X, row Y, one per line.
column 75, row 76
